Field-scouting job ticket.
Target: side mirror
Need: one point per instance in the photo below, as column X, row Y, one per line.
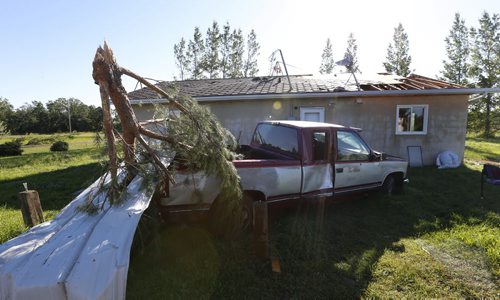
column 375, row 156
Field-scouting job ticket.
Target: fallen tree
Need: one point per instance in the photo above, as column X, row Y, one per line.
column 184, row 128
column 78, row 255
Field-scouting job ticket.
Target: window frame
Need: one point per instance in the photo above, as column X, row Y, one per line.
column 411, row 106
column 337, row 148
column 327, row 143
column 274, row 148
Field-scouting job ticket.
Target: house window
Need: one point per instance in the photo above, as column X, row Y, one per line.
column 315, row 114
column 411, row 119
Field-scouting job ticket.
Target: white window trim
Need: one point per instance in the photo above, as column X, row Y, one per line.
column 426, row 119
column 313, row 109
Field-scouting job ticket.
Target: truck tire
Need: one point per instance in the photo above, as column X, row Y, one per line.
column 220, row 227
column 393, row 185
column 247, row 213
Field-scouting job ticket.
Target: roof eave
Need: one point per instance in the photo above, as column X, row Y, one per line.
column 454, row 91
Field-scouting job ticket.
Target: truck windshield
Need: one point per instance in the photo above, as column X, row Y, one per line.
column 276, row 137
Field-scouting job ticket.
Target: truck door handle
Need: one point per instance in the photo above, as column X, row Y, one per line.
column 340, row 170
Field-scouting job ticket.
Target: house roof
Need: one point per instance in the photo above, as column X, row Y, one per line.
column 299, row 86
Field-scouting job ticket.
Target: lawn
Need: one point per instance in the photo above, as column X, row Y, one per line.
column 55, row 175
column 437, row 240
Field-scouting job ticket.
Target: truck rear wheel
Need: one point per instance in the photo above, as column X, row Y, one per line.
column 247, row 213
column 221, row 223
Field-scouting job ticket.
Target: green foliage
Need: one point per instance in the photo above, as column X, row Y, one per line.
column 59, row 146
column 235, row 62
column 181, row 59
column 11, row 149
column 53, row 117
column 220, row 54
column 3, row 128
column 456, row 67
column 5, row 108
column 398, row 59
column 250, row 67
column 351, row 53
column 485, row 71
column 327, row 62
column 225, row 49
column 201, row 143
column 196, row 48
column 211, row 60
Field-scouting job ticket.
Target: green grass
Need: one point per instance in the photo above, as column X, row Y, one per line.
column 55, row 175
column 366, row 247
column 437, row 240
column 477, row 148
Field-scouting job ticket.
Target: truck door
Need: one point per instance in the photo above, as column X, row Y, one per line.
column 353, row 168
column 318, row 171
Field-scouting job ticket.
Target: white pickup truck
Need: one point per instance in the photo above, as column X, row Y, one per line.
column 292, row 160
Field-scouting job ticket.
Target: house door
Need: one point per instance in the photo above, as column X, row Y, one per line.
column 314, row 114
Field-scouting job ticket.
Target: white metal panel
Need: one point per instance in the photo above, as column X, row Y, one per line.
column 75, row 255
column 313, row 114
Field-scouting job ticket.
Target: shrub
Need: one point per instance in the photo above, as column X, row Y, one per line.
column 59, row 146
column 10, row 149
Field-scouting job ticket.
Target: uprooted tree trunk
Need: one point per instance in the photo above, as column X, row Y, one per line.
column 195, row 134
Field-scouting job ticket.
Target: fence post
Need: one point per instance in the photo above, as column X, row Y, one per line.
column 31, row 207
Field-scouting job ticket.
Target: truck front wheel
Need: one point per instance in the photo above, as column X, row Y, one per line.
column 393, row 184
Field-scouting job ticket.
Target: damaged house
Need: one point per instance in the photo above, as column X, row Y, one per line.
column 414, row 117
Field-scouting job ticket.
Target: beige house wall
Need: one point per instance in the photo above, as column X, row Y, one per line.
column 447, row 119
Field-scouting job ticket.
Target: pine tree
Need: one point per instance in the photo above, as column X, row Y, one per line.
column 398, row 57
column 211, row 60
column 225, row 49
column 196, row 49
column 327, row 62
column 456, row 67
column 250, row 65
column 181, row 58
column 485, row 65
column 235, row 66
column 351, row 53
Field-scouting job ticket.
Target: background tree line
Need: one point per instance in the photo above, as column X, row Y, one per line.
column 35, row 117
column 472, row 60
column 221, row 54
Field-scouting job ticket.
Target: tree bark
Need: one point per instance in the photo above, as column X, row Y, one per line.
column 107, row 74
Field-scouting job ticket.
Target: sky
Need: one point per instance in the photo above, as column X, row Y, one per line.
column 47, row 47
